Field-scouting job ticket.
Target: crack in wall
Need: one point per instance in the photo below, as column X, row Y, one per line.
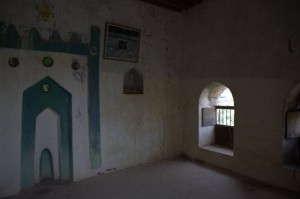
column 163, row 135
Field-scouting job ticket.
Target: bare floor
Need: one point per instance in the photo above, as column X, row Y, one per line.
column 169, row 179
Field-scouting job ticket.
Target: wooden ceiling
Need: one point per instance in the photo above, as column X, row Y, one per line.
column 176, row 5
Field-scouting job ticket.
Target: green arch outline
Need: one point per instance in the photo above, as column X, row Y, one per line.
column 34, row 102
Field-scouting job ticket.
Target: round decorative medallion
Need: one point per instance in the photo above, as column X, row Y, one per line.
column 75, row 65
column 13, row 62
column 45, row 87
column 47, row 61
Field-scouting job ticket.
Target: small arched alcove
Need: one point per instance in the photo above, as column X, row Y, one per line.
column 216, row 119
column 291, row 139
column 46, row 166
column 133, row 82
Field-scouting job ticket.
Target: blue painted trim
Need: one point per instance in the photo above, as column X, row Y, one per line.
column 94, row 99
column 34, row 102
column 10, row 38
column 56, row 44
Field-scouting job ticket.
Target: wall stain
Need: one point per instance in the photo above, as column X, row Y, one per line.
column 78, row 114
column 164, row 134
column 148, row 35
column 79, row 75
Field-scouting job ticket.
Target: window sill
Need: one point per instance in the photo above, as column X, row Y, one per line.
column 218, row 149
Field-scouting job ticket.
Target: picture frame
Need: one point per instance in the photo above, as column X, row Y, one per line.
column 121, row 43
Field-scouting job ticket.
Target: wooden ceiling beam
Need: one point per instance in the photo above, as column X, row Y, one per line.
column 181, row 3
column 176, row 5
column 164, row 4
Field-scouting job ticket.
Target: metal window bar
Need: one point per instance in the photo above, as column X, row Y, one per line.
column 225, row 115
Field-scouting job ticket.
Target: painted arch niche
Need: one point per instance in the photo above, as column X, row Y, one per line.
column 46, row 104
column 46, row 153
column 216, row 119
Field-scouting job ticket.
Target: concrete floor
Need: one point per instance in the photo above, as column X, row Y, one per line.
column 174, row 179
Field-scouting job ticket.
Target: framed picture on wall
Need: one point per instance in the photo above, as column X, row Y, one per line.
column 121, row 43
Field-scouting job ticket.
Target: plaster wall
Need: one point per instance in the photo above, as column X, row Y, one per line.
column 249, row 46
column 135, row 129
column 16, row 80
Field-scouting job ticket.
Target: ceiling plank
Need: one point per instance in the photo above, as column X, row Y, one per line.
column 164, row 5
column 177, row 5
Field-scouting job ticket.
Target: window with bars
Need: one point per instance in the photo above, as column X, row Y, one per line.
column 225, row 115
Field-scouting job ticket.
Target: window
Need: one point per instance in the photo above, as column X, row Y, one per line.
column 225, row 108
column 225, row 115
column 216, row 118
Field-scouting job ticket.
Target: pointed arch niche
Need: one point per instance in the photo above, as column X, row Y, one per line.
column 46, row 95
column 216, row 119
column 47, row 139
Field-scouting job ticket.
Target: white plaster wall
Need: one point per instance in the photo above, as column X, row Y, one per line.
column 243, row 45
column 135, row 129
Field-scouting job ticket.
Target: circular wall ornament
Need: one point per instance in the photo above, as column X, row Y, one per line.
column 13, row 62
column 45, row 87
column 47, row 61
column 75, row 65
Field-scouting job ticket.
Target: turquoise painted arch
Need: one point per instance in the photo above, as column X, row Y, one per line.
column 45, row 94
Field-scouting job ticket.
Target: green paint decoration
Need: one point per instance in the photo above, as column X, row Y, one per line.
column 48, row 61
column 45, row 87
column 36, row 101
column 94, row 99
column 9, row 38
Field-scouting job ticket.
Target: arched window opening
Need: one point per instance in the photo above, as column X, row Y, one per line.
column 291, row 138
column 216, row 118
column 225, row 109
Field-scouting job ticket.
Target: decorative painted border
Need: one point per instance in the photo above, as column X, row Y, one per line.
column 10, row 38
